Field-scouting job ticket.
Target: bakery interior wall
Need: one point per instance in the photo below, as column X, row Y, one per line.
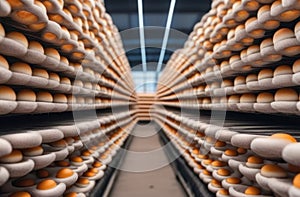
column 224, row 106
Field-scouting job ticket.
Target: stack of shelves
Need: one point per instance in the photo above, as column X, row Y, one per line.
column 62, row 70
column 243, row 58
column 144, row 105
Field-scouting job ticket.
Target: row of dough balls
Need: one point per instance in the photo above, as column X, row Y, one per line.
column 73, row 176
column 26, row 69
column 215, row 26
column 37, row 10
column 9, row 94
column 48, row 52
column 283, row 38
column 235, row 63
column 217, row 174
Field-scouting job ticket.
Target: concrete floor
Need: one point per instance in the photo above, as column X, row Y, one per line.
column 137, row 177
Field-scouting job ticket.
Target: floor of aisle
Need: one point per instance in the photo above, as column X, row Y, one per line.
column 159, row 182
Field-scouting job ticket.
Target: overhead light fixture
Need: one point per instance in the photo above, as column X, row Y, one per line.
column 166, row 37
column 142, row 40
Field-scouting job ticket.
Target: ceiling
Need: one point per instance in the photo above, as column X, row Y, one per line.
column 125, row 16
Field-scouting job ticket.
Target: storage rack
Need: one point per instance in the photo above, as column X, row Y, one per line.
column 229, row 100
column 66, row 96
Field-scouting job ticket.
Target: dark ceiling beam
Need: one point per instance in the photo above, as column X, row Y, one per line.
column 125, row 6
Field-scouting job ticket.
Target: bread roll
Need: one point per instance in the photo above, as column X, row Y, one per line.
column 71, row 99
column 64, row 60
column 67, row 47
column 234, row 58
column 26, row 17
column 226, row 83
column 44, row 97
column 64, row 173
column 266, row 43
column 233, row 180
column 296, row 66
column 49, row 36
column 65, row 80
column 46, row 184
column 54, row 76
column 223, row 172
column 20, row 194
column 252, row 5
column 2, row 31
column 253, row 49
column 273, row 171
column 77, row 159
column 56, row 17
column 296, row 181
column 20, row 67
column 251, row 77
column 97, row 164
column 35, row 151
column 26, row 95
column 239, row 28
column 286, row 94
column 282, row 34
column 223, row 192
column 265, row 74
column 37, row 26
column 18, row 37
column 231, row 152
column 219, row 143
column 265, row 97
column 60, row 98
column 71, row 194
column 248, row 98
column 234, row 99
column 89, row 174
column 7, row 93
column 251, row 190
column 14, row 157
column 82, row 182
column 51, row 52
column 283, row 70
column 78, row 83
column 216, row 183
column 243, row 54
column 3, row 62
column 254, row 161
column 78, row 55
column 218, row 163
column 284, row 136
column 38, row 72
column 34, row 45
column 239, row 80
column 76, row 66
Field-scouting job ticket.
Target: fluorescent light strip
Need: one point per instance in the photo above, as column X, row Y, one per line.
column 166, row 37
column 142, row 39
